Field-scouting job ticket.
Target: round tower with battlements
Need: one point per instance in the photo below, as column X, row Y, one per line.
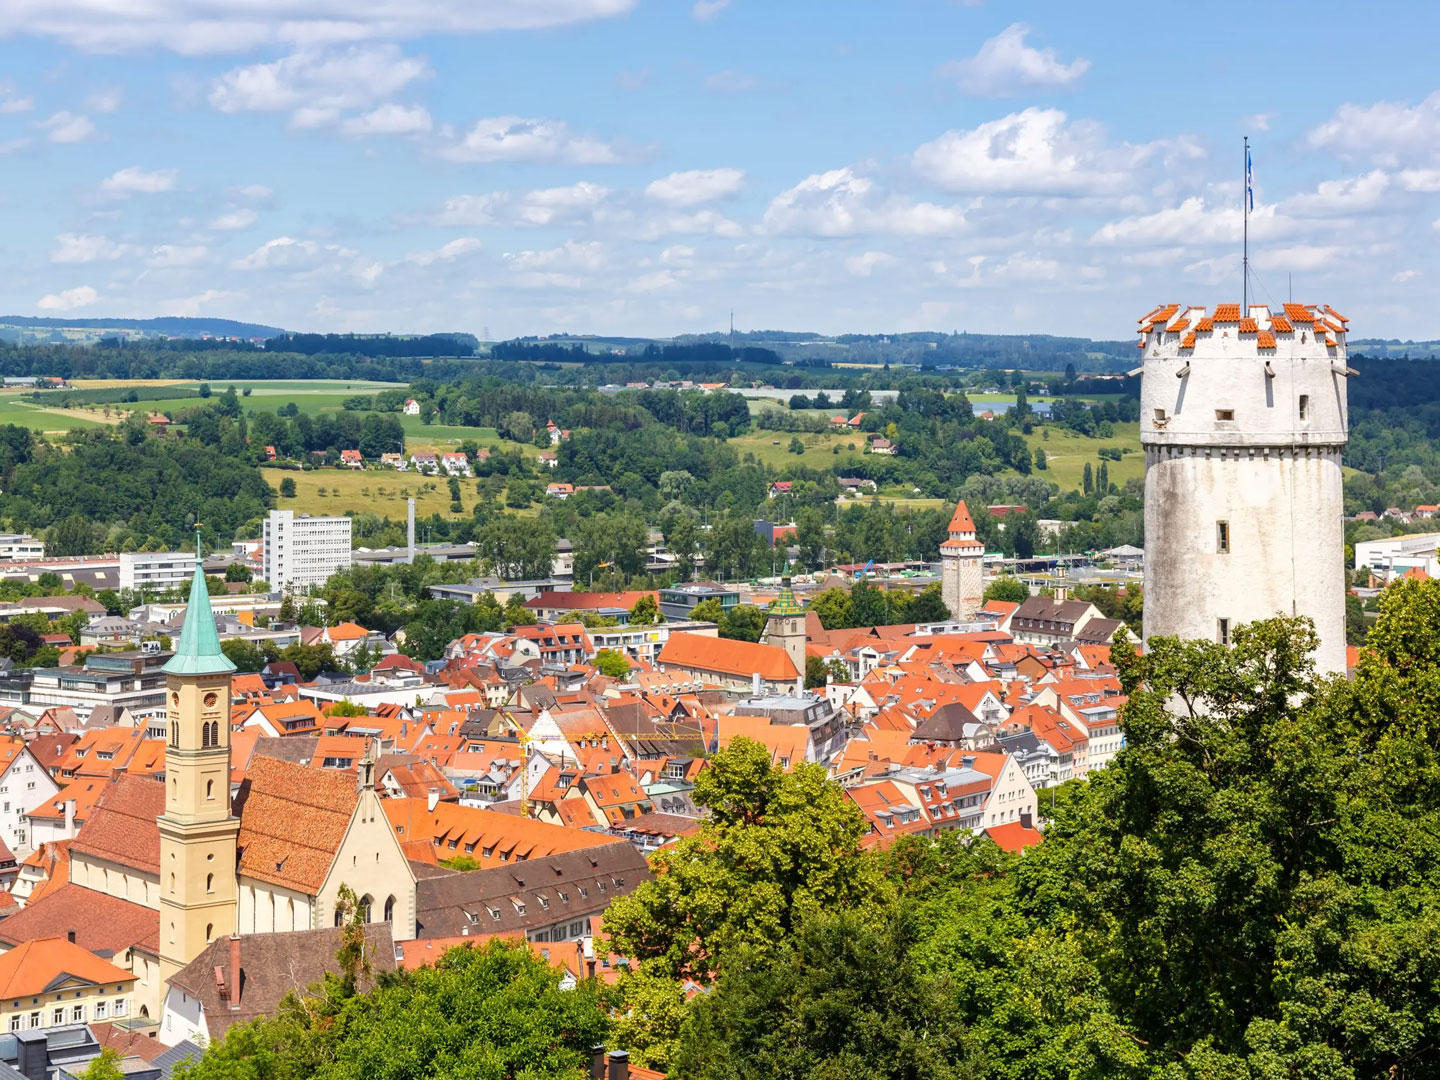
column 1243, row 419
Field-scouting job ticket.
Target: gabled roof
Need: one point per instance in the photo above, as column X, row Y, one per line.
column 122, row 827
column 102, row 923
column 738, row 658
column 44, row 965
column 1014, row 836
column 292, row 822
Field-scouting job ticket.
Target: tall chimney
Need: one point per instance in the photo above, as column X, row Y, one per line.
column 619, row 1065
column 755, row 683
column 432, row 799
column 235, row 986
column 410, row 533
column 70, row 818
column 597, row 1062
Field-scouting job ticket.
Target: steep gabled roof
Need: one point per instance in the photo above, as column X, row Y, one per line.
column 292, row 821
column 42, row 965
column 738, row 658
column 122, row 827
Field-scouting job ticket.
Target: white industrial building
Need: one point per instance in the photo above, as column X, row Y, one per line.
column 16, row 546
column 1395, row 556
column 1243, row 418
column 300, row 551
column 156, row 571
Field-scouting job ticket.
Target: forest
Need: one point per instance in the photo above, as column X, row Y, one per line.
column 1248, row 891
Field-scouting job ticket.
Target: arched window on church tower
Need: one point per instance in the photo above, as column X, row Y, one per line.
column 390, row 909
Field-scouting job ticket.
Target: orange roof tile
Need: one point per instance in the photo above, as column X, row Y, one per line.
column 1227, row 313
column 121, row 828
column 1299, row 312
column 491, row 838
column 1207, row 323
column 1281, row 325
column 40, row 966
column 1014, row 836
column 1336, row 314
column 729, row 657
column 1188, row 342
column 1248, row 326
column 1178, row 325
column 1264, row 339
column 961, row 521
column 292, row 821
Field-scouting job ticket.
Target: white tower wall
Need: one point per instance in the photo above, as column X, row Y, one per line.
column 1243, row 426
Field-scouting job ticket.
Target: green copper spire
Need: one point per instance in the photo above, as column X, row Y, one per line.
column 199, row 650
column 785, row 602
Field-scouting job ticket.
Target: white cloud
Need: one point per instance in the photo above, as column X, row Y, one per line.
column 1419, row 179
column 10, row 106
column 865, row 264
column 69, row 300
column 195, row 27
column 696, row 186
column 254, row 192
column 1387, row 132
column 314, row 85
column 190, row 306
column 1337, row 197
column 731, row 81
column 654, row 281
column 707, row 222
column 1257, row 121
column 843, row 203
column 389, row 119
column 1036, row 152
column 137, row 181
column 105, row 101
column 568, row 256
column 67, row 127
column 168, row 256
column 515, row 138
column 328, row 261
column 1191, row 223
column 85, row 248
column 1006, row 66
column 544, row 206
column 455, row 249
column 233, row 220
column 705, row 10
column 1402, row 276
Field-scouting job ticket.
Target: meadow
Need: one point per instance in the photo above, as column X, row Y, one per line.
column 369, row 491
column 1066, row 454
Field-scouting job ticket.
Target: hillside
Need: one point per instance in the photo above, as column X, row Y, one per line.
column 34, row 329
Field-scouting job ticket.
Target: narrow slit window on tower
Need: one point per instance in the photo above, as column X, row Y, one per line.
column 1304, row 406
column 1224, row 414
column 1222, row 631
column 1222, row 538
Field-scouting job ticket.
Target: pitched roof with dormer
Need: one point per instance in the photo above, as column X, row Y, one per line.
column 292, row 821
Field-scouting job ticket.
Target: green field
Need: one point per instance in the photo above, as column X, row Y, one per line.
column 369, row 491
column 769, row 448
column 23, row 414
column 1066, row 453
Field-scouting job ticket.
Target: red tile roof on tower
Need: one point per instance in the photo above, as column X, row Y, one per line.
column 961, row 521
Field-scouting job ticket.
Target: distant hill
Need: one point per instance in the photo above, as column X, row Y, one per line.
column 30, row 328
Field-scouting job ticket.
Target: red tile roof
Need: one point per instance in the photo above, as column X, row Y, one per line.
column 1227, row 313
column 1248, row 325
column 102, row 923
column 737, row 658
column 38, row 966
column 1264, row 339
column 121, row 828
column 292, row 821
column 1014, row 836
column 1281, row 325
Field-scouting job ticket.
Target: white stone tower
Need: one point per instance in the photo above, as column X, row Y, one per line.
column 1243, row 418
column 962, row 581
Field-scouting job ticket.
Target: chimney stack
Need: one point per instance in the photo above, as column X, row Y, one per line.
column 70, row 936
column 432, row 799
column 70, row 818
column 235, row 984
column 619, row 1065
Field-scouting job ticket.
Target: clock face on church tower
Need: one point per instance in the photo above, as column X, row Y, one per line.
column 210, row 699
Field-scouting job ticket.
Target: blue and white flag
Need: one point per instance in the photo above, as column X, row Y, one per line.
column 1249, row 180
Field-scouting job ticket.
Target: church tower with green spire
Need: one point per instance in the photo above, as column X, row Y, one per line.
column 785, row 623
column 198, row 890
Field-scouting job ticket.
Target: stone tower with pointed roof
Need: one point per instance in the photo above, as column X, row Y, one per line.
column 198, row 890
column 785, row 623
column 962, row 580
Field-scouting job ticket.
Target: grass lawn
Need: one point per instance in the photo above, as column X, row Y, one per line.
column 369, row 491
column 769, row 448
column 23, row 414
column 1067, row 453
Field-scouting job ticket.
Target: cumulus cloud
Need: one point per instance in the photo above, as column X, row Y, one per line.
column 455, row 249
column 515, row 138
column 11, row 106
column 1036, row 152
column 86, row 248
column 389, row 119
column 843, row 203
column 1006, row 66
column 544, row 206
column 67, row 127
column 68, row 300
column 1333, row 198
column 1190, row 223
column 704, row 222
column 1257, row 121
column 1402, row 276
column 234, row 220
column 1388, row 132
column 559, row 267
column 705, row 10
column 696, row 186
column 286, row 253
column 138, row 181
column 315, row 85
column 169, row 256
column 190, row 306
column 866, row 263
column 195, row 27
column 105, row 101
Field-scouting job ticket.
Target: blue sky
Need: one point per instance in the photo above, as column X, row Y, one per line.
column 643, row 166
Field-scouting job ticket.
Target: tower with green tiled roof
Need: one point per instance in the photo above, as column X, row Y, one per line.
column 198, row 890
column 785, row 622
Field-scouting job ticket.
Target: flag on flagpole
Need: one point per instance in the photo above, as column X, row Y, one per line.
column 1249, row 181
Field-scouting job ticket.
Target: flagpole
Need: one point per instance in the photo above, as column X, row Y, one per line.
column 1245, row 235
